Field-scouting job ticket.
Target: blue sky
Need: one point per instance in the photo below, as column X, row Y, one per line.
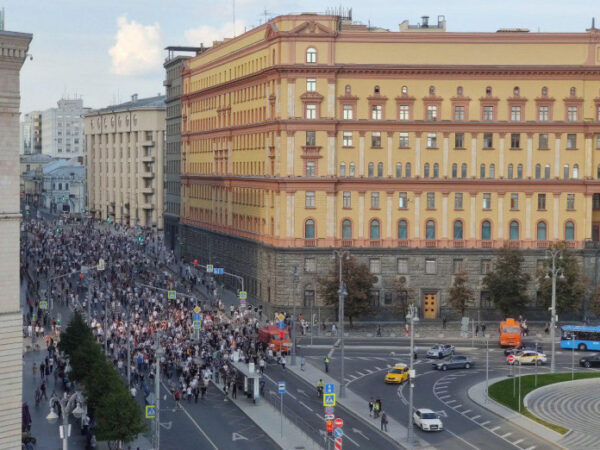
column 107, row 50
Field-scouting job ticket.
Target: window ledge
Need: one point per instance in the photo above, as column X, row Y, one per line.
column 408, row 148
column 569, row 148
column 513, row 209
column 401, row 208
column 310, row 207
column 515, row 148
column 460, row 148
column 430, row 209
column 461, row 209
column 543, row 148
column 573, row 209
column 543, row 209
column 488, row 148
column 377, row 148
column 485, row 209
column 347, row 146
column 432, row 148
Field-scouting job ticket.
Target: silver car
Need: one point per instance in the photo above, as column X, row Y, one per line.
column 440, row 351
column 456, row 362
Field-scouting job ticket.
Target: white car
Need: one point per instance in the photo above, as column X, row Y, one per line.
column 528, row 357
column 427, row 420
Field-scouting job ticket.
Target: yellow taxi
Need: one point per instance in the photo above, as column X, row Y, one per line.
column 397, row 374
column 527, row 357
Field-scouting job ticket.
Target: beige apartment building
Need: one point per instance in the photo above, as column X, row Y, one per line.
column 124, row 154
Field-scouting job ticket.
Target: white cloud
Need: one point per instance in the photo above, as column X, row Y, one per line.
column 206, row 34
column 137, row 49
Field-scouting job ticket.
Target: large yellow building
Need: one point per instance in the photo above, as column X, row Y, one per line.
column 420, row 151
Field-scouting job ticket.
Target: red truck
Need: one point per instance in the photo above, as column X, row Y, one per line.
column 277, row 339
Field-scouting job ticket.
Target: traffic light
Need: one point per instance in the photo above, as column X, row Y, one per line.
column 27, row 212
column 108, row 219
column 80, row 276
column 58, row 321
column 63, row 198
column 281, row 335
column 139, row 238
column 195, row 262
column 58, row 229
column 329, row 426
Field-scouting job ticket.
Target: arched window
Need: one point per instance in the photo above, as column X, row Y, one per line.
column 459, row 90
column 342, row 169
column 598, row 172
column 380, row 169
column 488, row 90
column 516, row 91
column 371, row 169
column 309, row 229
column 575, row 171
column 346, row 229
column 520, row 171
column 514, row 230
column 486, row 230
column 436, row 170
column 430, row 229
column 510, row 171
column 569, row 231
column 398, row 170
column 566, row 171
column 352, row 169
column 538, row 171
column 404, row 90
column 348, row 89
column 541, row 231
column 544, row 91
column 376, row 89
column 572, row 91
column 454, row 170
column 426, row 170
column 547, row 171
column 402, row 229
column 482, row 171
column 458, row 230
column 463, row 170
column 311, row 55
column 374, row 229
column 492, row 170
column 408, row 170
column 431, row 90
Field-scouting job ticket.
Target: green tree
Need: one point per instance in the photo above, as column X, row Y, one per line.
column 570, row 288
column 461, row 295
column 359, row 282
column 75, row 335
column 507, row 283
column 594, row 304
column 404, row 296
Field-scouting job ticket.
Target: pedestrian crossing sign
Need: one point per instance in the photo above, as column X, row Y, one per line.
column 197, row 324
column 243, row 295
column 43, row 304
column 150, row 411
column 329, row 388
column 171, row 295
column 328, row 399
column 209, row 268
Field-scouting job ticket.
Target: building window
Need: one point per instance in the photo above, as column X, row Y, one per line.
column 520, row 171
column 566, row 171
column 430, row 266
column 514, row 201
column 487, row 201
column 547, row 171
column 572, row 114
column 515, row 113
column 348, row 89
column 431, row 140
column 486, row 230
column 371, row 169
column 431, row 112
column 492, row 170
column 374, row 200
column 510, row 171
column 569, row 231
column 463, row 170
column 376, row 139
column 402, row 264
column 347, row 139
column 430, row 230
column 408, row 170
column 398, row 170
column 598, row 140
column 375, row 265
column 374, row 229
column 403, row 140
column 431, row 90
column 571, row 202
column 541, row 231
column 488, row 113
column 458, row 230
column 309, row 199
column 459, row 113
column 310, row 265
column 544, row 91
column 310, row 169
column 402, row 229
column 543, row 113
column 380, row 169
column 514, row 230
column 486, row 266
column 311, row 84
column 347, row 200
column 571, row 141
column 348, row 112
column 309, row 229
column 572, row 92
column 542, row 202
column 403, row 200
column 516, row 91
column 342, row 169
column 376, row 90
column 515, row 140
column 346, row 229
column 488, row 140
column 457, row 265
column 454, row 170
column 311, row 138
column 431, row 200
column 458, row 201
column 377, row 112
column 543, row 141
column 311, row 55
column 459, row 140
column 575, row 171
column 538, row 171
column 459, row 90
column 426, row 170
column 404, row 90
column 311, row 111
column 482, row 171
column 404, row 112
column 436, row 170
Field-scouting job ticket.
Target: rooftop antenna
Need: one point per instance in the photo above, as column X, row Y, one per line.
column 266, row 14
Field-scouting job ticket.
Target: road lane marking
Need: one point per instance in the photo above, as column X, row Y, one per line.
column 483, row 424
column 377, row 368
column 494, row 429
column 504, row 436
column 458, row 437
column 444, row 396
column 518, row 441
column 450, row 401
column 466, row 411
column 475, row 417
column 530, row 448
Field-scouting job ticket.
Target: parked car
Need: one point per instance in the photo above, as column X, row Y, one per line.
column 522, row 348
column 455, row 362
column 397, row 374
column 440, row 351
column 427, row 420
column 590, row 361
column 528, row 357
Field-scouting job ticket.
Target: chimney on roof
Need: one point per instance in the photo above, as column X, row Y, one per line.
column 134, row 98
column 425, row 22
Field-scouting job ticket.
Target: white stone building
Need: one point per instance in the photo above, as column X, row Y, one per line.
column 62, row 129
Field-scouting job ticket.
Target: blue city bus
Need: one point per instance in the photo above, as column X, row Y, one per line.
column 581, row 337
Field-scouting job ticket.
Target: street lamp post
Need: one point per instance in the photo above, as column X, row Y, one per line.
column 412, row 311
column 157, row 392
column 295, row 282
column 342, row 292
column 554, row 253
column 68, row 405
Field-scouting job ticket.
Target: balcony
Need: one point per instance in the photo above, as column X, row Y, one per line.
column 148, row 159
column 543, row 244
column 431, row 243
column 486, row 244
column 147, row 174
column 310, row 242
column 374, row 242
column 347, row 242
column 458, row 244
column 147, row 206
column 571, row 244
column 402, row 243
column 147, row 190
column 514, row 244
column 147, row 143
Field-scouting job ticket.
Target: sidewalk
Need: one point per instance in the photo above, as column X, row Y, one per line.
column 478, row 394
column 358, row 406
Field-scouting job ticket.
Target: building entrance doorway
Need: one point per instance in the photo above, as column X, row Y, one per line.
column 430, row 306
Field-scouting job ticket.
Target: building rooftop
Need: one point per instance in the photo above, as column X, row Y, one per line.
column 157, row 102
column 36, row 158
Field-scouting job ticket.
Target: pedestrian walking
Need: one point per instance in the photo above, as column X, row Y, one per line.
column 378, row 330
column 302, row 363
column 371, row 407
column 283, row 361
column 234, row 389
column 34, row 370
column 376, row 408
column 333, row 330
column 415, row 352
column 476, row 329
column 326, row 364
column 483, row 329
column 444, row 321
column 384, row 421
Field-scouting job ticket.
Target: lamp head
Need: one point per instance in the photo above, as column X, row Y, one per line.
column 52, row 417
column 547, row 277
column 78, row 411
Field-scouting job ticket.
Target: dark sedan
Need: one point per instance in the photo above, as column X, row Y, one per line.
column 590, row 361
column 456, row 362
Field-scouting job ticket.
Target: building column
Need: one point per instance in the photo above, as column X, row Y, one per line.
column 331, row 217
column 555, row 211
column 290, row 153
column 473, row 215
column 291, row 214
column 589, row 173
column 267, row 209
column 502, row 170
column 557, row 155
column 291, row 94
column 445, row 156
column 277, row 230
column 361, row 214
column 277, row 154
column 500, row 224
column 331, row 154
column 331, row 98
column 474, row 155
column 417, row 170
column 528, row 215
column 530, row 155
column 586, row 233
column 230, row 207
column 389, row 210
column 417, row 215
column 445, row 215
column 267, row 101
column 361, row 154
column 268, row 170
column 390, row 172
column 278, row 99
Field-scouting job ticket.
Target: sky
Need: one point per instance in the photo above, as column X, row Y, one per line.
column 105, row 51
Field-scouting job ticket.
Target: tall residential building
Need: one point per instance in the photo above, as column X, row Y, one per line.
column 124, row 154
column 13, row 50
column 173, row 65
column 62, row 129
column 419, row 151
column 31, row 133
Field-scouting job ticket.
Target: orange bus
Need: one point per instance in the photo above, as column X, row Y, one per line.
column 510, row 333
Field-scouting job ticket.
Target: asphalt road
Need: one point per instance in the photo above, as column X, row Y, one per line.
column 467, row 424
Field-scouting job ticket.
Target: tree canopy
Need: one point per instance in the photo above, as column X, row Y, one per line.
column 507, row 283
column 461, row 295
